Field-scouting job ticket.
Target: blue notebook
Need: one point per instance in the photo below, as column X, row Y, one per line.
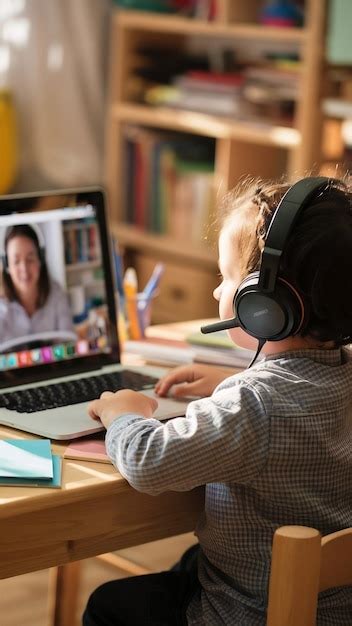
column 54, row 482
column 26, row 458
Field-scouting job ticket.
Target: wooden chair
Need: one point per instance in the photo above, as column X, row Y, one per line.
column 303, row 564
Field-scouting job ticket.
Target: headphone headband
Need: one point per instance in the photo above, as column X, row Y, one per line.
column 38, row 231
column 282, row 222
column 265, row 305
column 41, row 243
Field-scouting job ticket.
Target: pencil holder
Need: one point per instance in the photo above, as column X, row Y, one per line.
column 144, row 309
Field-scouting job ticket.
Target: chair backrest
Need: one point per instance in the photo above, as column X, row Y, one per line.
column 302, row 565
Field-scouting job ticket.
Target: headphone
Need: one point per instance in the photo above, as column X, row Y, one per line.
column 265, row 305
column 41, row 242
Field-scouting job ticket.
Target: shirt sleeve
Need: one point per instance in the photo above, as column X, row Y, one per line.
column 223, row 438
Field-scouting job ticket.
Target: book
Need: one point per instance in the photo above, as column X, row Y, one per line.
column 139, row 213
column 227, row 82
column 25, row 459
column 337, row 107
column 54, row 482
column 219, row 339
column 235, row 357
column 172, row 178
column 174, row 352
column 218, row 348
column 87, row 450
column 160, row 350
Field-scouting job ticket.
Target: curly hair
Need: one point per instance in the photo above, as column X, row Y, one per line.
column 317, row 259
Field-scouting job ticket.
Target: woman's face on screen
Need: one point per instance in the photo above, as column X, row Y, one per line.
column 23, row 264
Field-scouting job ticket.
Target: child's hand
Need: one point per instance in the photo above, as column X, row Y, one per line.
column 111, row 405
column 191, row 380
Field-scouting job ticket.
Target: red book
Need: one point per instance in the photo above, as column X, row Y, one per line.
column 282, row 22
column 222, row 78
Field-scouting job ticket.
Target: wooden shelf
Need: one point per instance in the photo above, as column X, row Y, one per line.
column 83, row 265
column 244, row 149
column 208, row 125
column 183, row 251
column 143, row 21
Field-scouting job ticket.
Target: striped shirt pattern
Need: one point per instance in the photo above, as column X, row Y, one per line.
column 273, row 445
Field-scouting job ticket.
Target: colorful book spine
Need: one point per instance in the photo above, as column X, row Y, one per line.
column 169, row 183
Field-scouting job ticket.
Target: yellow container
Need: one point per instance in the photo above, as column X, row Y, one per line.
column 8, row 142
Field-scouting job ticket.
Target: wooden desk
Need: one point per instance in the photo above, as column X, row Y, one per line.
column 96, row 511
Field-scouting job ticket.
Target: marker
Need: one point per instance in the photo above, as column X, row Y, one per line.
column 130, row 286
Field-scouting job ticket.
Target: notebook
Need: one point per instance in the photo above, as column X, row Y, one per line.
column 25, row 458
column 87, row 450
column 54, row 482
column 55, row 246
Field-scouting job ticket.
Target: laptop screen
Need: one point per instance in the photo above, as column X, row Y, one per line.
column 57, row 309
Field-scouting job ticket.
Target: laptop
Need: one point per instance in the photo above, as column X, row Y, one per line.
column 54, row 362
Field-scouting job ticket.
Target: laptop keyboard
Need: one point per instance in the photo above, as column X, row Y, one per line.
column 73, row 391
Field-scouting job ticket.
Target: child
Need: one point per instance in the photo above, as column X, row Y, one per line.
column 273, row 444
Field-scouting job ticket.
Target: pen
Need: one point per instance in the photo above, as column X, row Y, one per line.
column 131, row 289
column 118, row 273
column 152, row 284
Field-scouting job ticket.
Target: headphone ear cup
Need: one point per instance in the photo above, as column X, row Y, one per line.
column 268, row 316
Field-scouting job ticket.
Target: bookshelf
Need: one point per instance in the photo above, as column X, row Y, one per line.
column 254, row 147
column 83, row 265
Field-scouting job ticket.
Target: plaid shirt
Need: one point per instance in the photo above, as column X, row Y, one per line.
column 273, row 445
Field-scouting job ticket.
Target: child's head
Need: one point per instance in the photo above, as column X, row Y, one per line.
column 316, row 260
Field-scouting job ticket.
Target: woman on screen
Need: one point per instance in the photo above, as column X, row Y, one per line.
column 32, row 303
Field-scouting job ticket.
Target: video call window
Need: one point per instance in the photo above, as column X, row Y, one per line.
column 52, row 299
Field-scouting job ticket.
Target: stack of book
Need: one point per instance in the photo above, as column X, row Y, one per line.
column 271, row 89
column 266, row 86
column 216, row 349
column 215, row 93
column 29, row 463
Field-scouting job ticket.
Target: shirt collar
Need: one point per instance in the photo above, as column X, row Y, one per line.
column 334, row 356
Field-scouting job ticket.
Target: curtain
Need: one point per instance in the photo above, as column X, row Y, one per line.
column 53, row 57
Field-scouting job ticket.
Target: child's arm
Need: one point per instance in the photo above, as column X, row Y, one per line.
column 223, row 438
column 192, row 380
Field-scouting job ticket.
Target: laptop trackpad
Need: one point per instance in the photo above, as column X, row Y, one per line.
column 167, row 407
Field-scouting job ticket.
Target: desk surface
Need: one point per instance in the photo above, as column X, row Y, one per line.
column 95, row 511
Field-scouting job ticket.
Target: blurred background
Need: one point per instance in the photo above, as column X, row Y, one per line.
column 53, row 59
column 168, row 104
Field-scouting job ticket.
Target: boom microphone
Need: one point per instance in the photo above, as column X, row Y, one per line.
column 224, row 325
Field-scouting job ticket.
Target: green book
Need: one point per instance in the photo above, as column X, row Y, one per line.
column 219, row 339
column 26, row 458
column 54, row 482
column 338, row 38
